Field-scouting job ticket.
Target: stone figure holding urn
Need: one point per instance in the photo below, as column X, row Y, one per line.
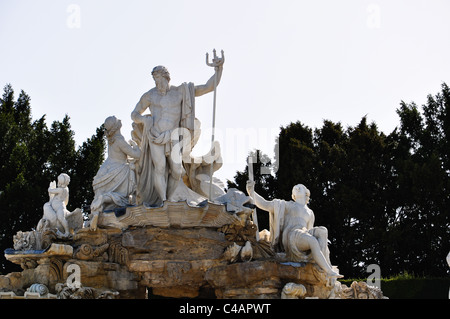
column 55, row 210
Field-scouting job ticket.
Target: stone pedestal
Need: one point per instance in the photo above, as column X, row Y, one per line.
column 174, row 260
column 266, row 279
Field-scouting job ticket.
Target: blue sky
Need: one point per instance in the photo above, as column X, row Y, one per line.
column 285, row 61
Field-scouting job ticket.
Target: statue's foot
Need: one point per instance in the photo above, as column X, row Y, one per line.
column 61, row 235
column 97, row 203
column 334, row 274
column 93, row 222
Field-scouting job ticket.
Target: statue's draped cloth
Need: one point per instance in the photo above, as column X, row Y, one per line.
column 114, row 180
column 285, row 238
column 147, row 133
column 276, row 223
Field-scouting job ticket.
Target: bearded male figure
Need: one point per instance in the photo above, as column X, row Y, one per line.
column 171, row 107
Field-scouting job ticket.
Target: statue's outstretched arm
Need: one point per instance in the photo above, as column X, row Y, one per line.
column 260, row 202
column 131, row 148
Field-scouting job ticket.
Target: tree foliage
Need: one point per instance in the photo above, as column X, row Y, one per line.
column 31, row 156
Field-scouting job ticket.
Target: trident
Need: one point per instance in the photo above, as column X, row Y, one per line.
column 251, row 178
column 215, row 63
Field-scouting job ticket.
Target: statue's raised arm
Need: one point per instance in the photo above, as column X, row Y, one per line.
column 260, row 202
column 217, row 63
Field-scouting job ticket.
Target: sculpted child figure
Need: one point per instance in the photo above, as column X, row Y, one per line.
column 55, row 210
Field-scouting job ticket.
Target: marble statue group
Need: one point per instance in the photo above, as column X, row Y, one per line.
column 154, row 181
column 157, row 165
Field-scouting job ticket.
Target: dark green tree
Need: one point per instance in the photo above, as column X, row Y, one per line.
column 295, row 159
column 363, row 190
column 89, row 158
column 16, row 160
column 423, row 181
column 62, row 149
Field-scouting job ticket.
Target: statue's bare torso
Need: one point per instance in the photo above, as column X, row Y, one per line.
column 299, row 216
column 165, row 109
